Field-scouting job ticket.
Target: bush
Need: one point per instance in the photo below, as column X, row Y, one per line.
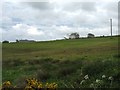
column 31, row 84
column 5, row 41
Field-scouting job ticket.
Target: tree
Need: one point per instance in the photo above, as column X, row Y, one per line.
column 5, row 41
column 17, row 40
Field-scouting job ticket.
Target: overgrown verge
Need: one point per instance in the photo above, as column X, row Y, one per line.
column 78, row 73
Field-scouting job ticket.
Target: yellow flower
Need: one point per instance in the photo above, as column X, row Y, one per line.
column 31, row 84
column 28, row 88
column 40, row 86
column 6, row 84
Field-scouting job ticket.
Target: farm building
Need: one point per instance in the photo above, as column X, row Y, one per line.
column 74, row 36
column 90, row 35
column 25, row 40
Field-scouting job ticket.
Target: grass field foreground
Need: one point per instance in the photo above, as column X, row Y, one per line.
column 66, row 62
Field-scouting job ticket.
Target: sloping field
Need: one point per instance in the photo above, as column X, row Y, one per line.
column 63, row 61
column 61, row 49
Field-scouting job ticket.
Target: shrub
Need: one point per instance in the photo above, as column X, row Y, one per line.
column 31, row 84
column 5, row 41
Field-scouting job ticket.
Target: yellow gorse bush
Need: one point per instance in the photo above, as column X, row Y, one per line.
column 7, row 84
column 51, row 85
column 32, row 84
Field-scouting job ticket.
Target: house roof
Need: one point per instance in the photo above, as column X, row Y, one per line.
column 91, row 34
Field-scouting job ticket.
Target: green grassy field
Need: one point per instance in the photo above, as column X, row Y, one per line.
column 65, row 62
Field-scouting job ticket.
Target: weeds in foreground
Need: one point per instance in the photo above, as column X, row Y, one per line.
column 33, row 84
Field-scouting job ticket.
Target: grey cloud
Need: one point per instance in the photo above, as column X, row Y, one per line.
column 84, row 6
column 69, row 6
column 40, row 5
column 112, row 6
column 88, row 6
column 56, row 20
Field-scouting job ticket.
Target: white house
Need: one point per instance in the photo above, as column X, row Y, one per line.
column 74, row 36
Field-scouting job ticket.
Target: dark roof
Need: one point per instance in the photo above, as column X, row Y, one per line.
column 91, row 34
column 74, row 34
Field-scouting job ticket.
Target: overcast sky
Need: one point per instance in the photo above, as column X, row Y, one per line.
column 56, row 19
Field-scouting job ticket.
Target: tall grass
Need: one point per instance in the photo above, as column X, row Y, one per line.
column 65, row 62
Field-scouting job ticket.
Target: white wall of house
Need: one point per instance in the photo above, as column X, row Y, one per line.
column 72, row 37
column 91, row 35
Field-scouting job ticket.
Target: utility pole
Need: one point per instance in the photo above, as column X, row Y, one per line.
column 111, row 26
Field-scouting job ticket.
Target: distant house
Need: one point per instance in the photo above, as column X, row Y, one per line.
column 65, row 38
column 90, row 35
column 25, row 40
column 74, row 36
